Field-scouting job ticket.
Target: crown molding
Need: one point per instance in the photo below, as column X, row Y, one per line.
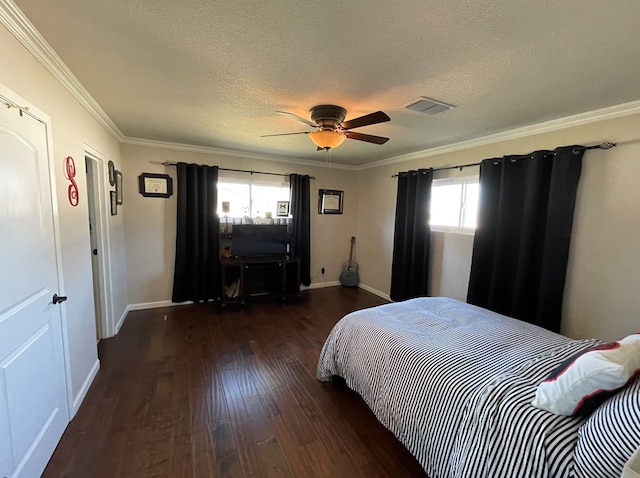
column 610, row 112
column 24, row 31
column 19, row 25
column 232, row 153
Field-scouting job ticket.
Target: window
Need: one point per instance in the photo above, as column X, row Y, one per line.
column 454, row 204
column 250, row 198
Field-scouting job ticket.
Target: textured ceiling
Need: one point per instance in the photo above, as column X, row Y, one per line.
column 212, row 73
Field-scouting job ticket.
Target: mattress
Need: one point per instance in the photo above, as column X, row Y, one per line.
column 454, row 383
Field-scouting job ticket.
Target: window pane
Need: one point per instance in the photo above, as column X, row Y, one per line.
column 445, row 205
column 237, row 195
column 471, row 205
column 265, row 199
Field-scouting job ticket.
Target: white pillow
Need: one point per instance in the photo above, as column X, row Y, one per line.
column 587, row 379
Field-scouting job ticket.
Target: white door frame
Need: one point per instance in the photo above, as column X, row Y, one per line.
column 10, row 97
column 100, row 192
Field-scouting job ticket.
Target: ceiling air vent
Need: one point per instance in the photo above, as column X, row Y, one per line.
column 427, row 105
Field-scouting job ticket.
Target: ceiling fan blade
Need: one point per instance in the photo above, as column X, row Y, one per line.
column 299, row 118
column 284, row 134
column 369, row 138
column 371, row 118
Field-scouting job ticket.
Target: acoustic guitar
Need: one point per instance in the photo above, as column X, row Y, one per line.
column 349, row 275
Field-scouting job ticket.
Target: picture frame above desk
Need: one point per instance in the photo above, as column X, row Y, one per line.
column 330, row 201
column 152, row 185
column 282, row 209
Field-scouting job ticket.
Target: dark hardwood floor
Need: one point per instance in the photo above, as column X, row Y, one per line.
column 192, row 392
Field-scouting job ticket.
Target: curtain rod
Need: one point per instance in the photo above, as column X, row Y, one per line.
column 169, row 163
column 605, row 145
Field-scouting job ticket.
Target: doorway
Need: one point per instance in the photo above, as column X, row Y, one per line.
column 98, row 234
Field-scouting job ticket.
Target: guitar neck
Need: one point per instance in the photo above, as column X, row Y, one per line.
column 353, row 242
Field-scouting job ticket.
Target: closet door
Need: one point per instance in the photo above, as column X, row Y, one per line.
column 33, row 402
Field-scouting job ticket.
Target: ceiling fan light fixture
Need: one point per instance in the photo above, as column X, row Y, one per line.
column 327, row 139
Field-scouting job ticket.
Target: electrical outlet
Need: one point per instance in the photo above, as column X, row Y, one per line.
column 322, row 271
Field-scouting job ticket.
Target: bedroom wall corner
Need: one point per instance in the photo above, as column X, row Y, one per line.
column 150, row 222
column 600, row 297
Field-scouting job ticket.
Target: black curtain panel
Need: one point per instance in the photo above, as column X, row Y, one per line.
column 411, row 240
column 521, row 244
column 197, row 267
column 301, row 224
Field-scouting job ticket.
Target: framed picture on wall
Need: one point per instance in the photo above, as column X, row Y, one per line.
column 155, row 185
column 112, row 173
column 114, row 203
column 118, row 187
column 282, row 209
column 330, row 201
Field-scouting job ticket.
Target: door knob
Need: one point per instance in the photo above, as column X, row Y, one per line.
column 58, row 298
column 95, row 252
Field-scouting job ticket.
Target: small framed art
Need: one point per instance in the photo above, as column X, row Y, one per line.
column 118, row 187
column 114, row 203
column 155, row 185
column 330, row 201
column 112, row 173
column 282, row 209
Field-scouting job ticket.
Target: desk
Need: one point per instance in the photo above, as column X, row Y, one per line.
column 277, row 276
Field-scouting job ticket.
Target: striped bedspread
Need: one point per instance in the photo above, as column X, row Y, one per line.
column 454, row 383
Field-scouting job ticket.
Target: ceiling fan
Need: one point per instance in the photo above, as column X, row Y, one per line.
column 332, row 129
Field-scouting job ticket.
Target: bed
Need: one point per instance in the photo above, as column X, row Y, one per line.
column 455, row 383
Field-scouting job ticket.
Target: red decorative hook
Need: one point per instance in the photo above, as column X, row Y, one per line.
column 70, row 173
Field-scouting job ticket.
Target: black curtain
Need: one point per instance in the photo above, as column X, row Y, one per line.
column 411, row 240
column 197, row 266
column 521, row 244
column 301, row 224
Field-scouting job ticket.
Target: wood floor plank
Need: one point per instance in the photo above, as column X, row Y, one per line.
column 303, row 388
column 247, row 426
column 190, row 391
column 322, row 462
column 203, row 453
column 269, row 404
column 275, row 465
column 294, row 417
column 292, row 450
column 225, row 449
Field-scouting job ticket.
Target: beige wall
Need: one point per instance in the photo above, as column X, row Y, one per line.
column 71, row 129
column 601, row 298
column 150, row 222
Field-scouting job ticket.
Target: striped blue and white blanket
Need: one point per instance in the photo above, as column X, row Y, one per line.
column 454, row 383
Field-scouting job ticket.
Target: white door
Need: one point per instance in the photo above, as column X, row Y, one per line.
column 33, row 403
column 93, row 237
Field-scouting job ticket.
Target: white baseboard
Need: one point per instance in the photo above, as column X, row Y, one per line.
column 155, row 305
column 77, row 401
column 168, row 303
column 147, row 305
column 375, row 291
column 121, row 320
column 320, row 285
